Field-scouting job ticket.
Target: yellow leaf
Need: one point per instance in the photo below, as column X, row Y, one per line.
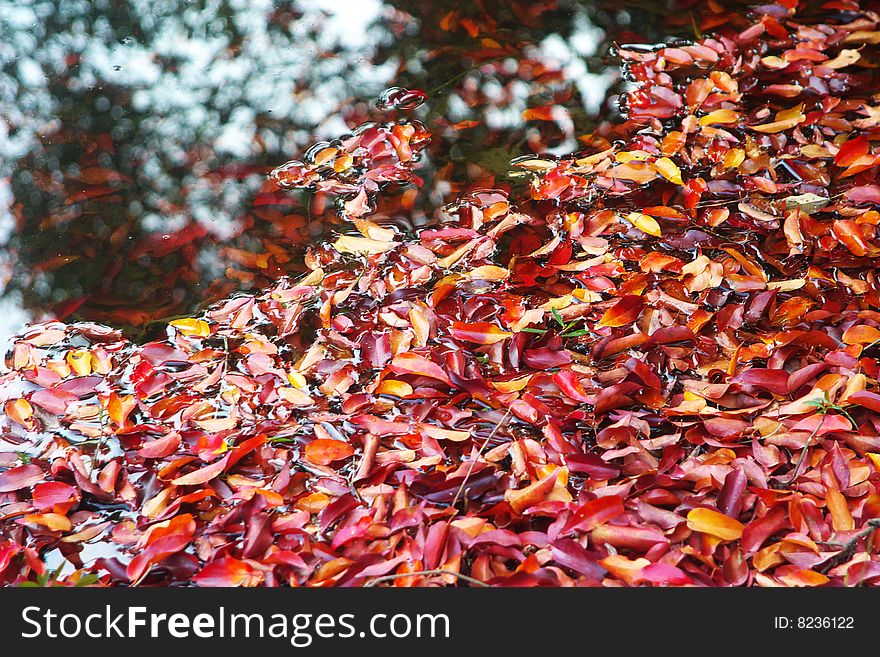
column 192, row 326
column 787, row 286
column 733, row 158
column 772, row 61
column 362, row 245
column 815, row 151
column 394, row 388
column 644, row 223
column 714, row 523
column 513, row 385
column 153, row 507
column 785, row 120
column 297, row 380
column 719, row 116
column 80, row 361
column 668, row 169
column 628, row 156
column 421, row 324
column 845, row 58
column 295, row 397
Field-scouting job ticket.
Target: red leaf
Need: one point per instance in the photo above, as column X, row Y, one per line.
column 410, row 363
column 479, row 332
column 160, row 542
column 866, row 399
column 161, row 447
column 775, row 381
column 24, row 476
column 54, row 496
column 205, row 474
column 228, row 571
column 595, row 512
column 759, row 530
column 852, row 150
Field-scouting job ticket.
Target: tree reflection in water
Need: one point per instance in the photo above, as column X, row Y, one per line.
column 137, row 134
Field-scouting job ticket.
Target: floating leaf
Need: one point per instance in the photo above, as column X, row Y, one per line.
column 624, row 312
column 228, row 572
column 324, row 451
column 669, row 170
column 644, row 223
column 362, row 245
column 478, row 332
column 191, row 326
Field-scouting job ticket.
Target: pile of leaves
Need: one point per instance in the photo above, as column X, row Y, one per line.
column 655, row 365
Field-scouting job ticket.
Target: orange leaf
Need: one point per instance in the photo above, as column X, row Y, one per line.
column 443, row 434
column 638, row 172
column 539, row 113
column 203, row 475
column 394, row 388
column 622, row 568
column 714, row 523
column 323, row 451
column 161, row 541
column 624, row 312
column 522, row 499
column 861, row 334
column 841, row 518
column 54, row 522
column 804, row 578
column 20, row 411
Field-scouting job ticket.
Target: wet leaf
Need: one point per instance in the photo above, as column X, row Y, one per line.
column 325, row 451
column 644, row 223
column 226, row 572
column 624, row 312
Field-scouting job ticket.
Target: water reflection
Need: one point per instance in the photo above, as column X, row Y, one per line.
column 136, row 135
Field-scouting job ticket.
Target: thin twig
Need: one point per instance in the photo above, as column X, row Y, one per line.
column 849, row 548
column 444, row 571
column 476, row 458
column 426, row 573
column 800, row 460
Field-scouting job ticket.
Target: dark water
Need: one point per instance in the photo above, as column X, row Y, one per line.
column 135, row 135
